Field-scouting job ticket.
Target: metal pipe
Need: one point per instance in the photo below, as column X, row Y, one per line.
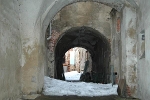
column 50, row 30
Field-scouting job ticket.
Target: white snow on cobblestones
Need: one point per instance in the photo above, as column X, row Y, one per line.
column 72, row 76
column 59, row 88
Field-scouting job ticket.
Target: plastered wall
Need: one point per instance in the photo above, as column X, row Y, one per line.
column 143, row 27
column 10, row 50
column 129, row 49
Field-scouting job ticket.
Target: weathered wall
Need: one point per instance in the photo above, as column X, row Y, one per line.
column 76, row 15
column 143, row 27
column 10, row 50
column 129, row 49
column 116, row 42
column 33, row 47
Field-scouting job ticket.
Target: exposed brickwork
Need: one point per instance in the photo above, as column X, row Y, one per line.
column 54, row 37
column 128, row 91
column 118, row 24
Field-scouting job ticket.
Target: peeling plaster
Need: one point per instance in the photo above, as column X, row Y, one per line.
column 29, row 49
column 132, row 33
column 130, row 52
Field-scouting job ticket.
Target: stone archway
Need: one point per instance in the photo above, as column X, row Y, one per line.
column 94, row 42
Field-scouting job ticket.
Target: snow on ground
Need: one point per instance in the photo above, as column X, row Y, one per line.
column 60, row 88
column 72, row 76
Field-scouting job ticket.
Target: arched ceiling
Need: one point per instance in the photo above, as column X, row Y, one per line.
column 57, row 5
column 85, row 37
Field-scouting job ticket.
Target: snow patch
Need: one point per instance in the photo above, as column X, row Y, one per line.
column 59, row 88
column 72, row 76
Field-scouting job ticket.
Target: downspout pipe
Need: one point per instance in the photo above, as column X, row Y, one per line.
column 50, row 31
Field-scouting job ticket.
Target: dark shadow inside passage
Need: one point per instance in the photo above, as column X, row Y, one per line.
column 94, row 42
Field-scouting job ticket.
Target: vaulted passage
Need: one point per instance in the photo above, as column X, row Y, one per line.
column 94, row 42
column 36, row 34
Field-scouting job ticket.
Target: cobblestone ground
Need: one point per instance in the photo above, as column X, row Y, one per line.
column 81, row 98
